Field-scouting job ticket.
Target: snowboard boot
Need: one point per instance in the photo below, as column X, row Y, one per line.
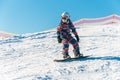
column 77, row 54
column 66, row 56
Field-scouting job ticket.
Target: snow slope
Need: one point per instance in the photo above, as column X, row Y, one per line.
column 30, row 56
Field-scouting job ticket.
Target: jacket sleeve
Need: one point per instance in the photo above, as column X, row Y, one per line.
column 73, row 29
column 59, row 28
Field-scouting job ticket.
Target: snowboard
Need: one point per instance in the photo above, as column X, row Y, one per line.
column 70, row 59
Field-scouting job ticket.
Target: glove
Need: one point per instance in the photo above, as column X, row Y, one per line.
column 77, row 37
column 59, row 39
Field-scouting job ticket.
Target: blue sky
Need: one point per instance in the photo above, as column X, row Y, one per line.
column 29, row 16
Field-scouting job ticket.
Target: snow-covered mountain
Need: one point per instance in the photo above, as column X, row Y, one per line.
column 30, row 56
column 4, row 35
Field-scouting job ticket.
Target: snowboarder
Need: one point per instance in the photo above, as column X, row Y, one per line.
column 64, row 36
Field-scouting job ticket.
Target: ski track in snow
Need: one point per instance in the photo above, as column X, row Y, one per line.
column 30, row 56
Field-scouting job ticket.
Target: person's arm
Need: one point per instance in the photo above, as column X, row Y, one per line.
column 59, row 30
column 58, row 34
column 74, row 32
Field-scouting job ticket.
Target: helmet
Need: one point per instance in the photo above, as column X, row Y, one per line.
column 65, row 16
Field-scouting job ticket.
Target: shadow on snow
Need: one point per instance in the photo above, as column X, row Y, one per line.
column 112, row 58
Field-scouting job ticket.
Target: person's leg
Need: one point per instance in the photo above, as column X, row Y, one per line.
column 65, row 48
column 75, row 46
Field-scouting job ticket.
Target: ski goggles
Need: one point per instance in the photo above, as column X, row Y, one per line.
column 64, row 18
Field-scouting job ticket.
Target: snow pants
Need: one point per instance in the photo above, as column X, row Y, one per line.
column 66, row 43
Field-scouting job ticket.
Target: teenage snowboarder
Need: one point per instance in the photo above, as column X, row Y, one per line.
column 64, row 36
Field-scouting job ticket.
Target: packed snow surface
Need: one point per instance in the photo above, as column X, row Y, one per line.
column 30, row 56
